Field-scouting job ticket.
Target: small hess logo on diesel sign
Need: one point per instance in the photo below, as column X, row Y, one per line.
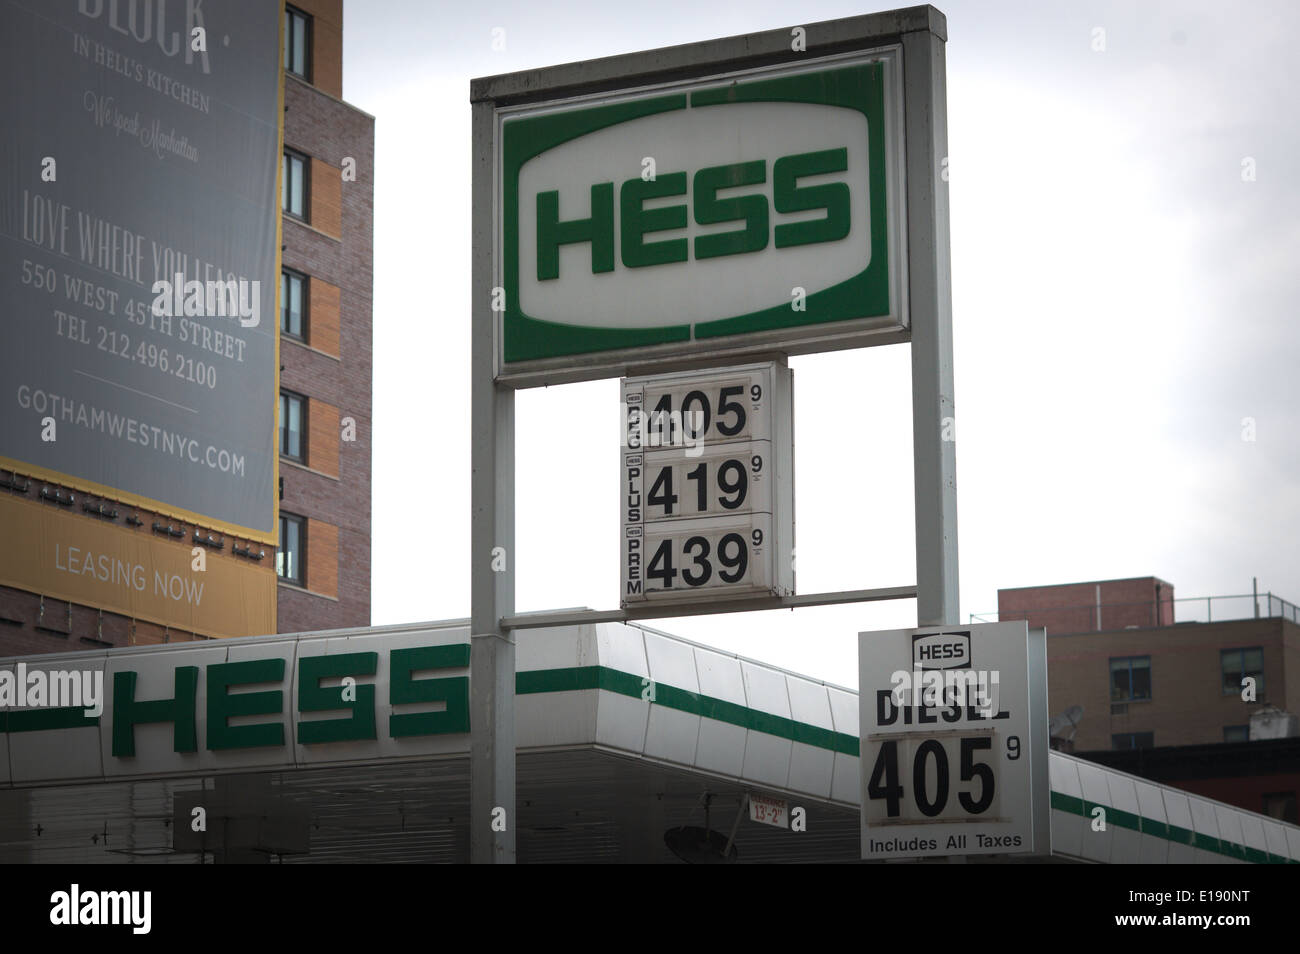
column 941, row 650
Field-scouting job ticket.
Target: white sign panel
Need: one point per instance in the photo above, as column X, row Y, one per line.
column 954, row 740
column 737, row 213
column 708, row 495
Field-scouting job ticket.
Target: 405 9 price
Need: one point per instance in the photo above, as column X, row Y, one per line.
column 947, row 777
column 717, row 412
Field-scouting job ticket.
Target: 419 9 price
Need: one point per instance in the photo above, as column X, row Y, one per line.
column 685, row 487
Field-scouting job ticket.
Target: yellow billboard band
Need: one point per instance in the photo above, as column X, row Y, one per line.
column 271, row 537
column 132, row 572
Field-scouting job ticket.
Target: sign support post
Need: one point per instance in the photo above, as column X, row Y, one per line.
column 492, row 543
column 930, row 293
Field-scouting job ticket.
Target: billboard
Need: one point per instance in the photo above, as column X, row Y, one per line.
column 752, row 210
column 141, row 575
column 139, row 253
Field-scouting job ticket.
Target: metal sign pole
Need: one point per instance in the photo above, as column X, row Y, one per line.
column 492, row 544
column 930, row 294
column 922, row 31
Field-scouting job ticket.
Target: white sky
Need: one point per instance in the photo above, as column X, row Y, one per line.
column 1122, row 300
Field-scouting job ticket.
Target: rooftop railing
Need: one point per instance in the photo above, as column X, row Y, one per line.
column 1091, row 618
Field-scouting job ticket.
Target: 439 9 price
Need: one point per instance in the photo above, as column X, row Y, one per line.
column 702, row 560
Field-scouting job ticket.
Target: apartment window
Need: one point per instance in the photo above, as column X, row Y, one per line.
column 292, row 424
column 1280, row 805
column 297, row 42
column 293, row 184
column 1236, row 733
column 289, row 556
column 1130, row 678
column 293, row 304
column 1132, row 740
column 1237, row 664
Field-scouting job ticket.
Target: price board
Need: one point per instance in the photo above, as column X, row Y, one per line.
column 954, row 741
column 708, row 484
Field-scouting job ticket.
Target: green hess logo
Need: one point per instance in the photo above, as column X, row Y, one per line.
column 746, row 207
column 737, row 207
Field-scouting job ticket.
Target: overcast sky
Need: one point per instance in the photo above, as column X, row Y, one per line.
column 1123, row 300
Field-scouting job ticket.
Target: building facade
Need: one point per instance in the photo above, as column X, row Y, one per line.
column 1173, row 685
column 325, row 332
column 1145, row 680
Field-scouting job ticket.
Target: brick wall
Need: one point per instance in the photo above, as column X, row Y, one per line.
column 340, row 273
column 1073, row 607
column 62, row 627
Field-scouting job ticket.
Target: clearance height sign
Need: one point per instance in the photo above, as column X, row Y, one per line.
column 751, row 210
column 138, row 253
column 954, row 741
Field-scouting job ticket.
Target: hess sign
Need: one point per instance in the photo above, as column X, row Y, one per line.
column 760, row 210
column 708, row 496
column 954, row 741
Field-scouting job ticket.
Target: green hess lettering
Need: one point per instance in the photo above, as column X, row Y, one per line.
column 635, row 222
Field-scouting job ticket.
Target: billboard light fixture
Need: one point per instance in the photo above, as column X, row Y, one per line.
column 12, row 483
column 57, row 496
column 99, row 510
column 209, row 540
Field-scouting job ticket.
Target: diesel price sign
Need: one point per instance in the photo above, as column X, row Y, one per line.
column 954, row 741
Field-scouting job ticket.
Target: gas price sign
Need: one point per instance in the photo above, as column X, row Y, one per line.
column 954, row 741
column 708, row 485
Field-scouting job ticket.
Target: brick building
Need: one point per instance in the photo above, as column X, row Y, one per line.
column 1173, row 685
column 1091, row 607
column 325, row 352
column 325, row 341
column 1145, row 680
